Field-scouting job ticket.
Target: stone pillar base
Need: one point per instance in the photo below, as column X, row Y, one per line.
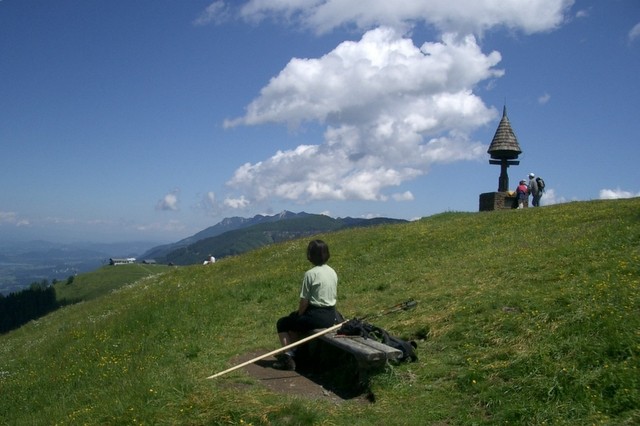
column 498, row 201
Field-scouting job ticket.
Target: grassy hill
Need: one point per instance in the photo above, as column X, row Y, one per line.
column 103, row 280
column 528, row 317
column 238, row 241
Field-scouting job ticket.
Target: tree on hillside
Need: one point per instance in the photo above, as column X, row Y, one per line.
column 17, row 309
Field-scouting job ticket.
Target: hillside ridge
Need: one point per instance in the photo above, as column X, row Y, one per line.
column 236, row 235
column 524, row 317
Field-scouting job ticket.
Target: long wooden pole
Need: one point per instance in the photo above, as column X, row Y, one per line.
column 282, row 349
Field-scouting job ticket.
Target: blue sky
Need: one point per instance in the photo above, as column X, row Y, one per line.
column 152, row 120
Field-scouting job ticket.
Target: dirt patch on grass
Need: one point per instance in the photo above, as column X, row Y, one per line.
column 305, row 382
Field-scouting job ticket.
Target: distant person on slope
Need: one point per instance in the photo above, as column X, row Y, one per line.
column 317, row 306
column 536, row 193
column 522, row 192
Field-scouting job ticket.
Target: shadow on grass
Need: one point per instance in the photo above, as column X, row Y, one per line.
column 322, row 372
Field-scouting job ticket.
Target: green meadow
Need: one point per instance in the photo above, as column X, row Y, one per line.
column 85, row 287
column 524, row 317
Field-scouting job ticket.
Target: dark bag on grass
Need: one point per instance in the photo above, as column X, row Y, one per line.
column 356, row 327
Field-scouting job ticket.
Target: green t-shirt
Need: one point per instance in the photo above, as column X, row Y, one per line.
column 320, row 286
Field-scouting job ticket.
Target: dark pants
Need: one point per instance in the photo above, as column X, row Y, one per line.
column 314, row 317
column 536, row 200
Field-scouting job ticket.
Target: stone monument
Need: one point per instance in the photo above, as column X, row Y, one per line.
column 504, row 151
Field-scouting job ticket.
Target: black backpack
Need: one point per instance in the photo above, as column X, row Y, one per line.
column 356, row 327
column 540, row 183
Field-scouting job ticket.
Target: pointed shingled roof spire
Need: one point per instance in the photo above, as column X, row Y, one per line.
column 504, row 144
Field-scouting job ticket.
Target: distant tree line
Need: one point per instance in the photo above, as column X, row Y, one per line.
column 19, row 308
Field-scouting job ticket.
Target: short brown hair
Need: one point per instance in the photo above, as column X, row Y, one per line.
column 318, row 252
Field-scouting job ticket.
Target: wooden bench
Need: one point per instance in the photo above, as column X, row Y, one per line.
column 368, row 353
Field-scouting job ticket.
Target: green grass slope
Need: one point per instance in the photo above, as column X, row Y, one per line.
column 529, row 317
column 95, row 284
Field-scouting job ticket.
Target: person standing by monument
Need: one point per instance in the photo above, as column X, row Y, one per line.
column 522, row 192
column 534, row 190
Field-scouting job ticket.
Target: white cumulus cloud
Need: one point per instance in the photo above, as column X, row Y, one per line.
column 13, row 218
column 236, row 203
column 550, row 197
column 634, row 33
column 169, row 202
column 612, row 194
column 8, row 217
column 463, row 16
column 405, row 196
column 392, row 109
column 543, row 99
column 216, row 12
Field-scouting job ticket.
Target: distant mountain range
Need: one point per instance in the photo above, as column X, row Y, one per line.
column 237, row 235
column 22, row 264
